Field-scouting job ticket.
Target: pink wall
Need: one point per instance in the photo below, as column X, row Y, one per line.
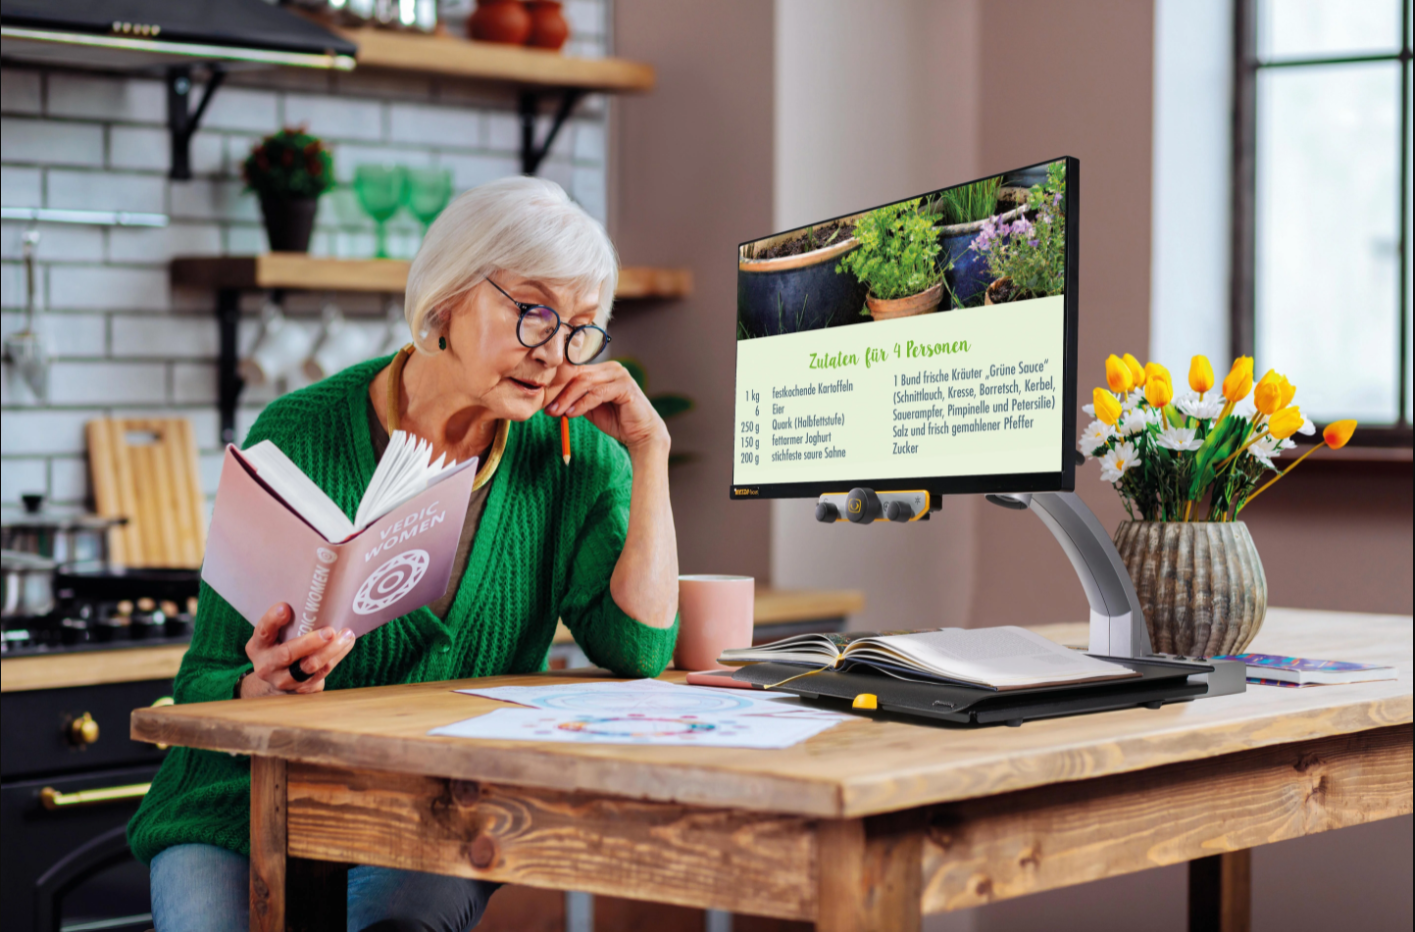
column 693, row 179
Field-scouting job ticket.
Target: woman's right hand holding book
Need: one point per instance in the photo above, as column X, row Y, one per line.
column 316, row 653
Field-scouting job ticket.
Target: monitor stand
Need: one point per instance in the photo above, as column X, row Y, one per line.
column 1117, row 621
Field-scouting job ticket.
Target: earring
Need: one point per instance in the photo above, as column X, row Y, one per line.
column 442, row 343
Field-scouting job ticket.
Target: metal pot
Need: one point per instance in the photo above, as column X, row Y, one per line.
column 28, row 583
column 63, row 536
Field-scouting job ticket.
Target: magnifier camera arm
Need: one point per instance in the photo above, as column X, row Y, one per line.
column 1117, row 621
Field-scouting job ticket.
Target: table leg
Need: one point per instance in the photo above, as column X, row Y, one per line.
column 1220, row 892
column 288, row 893
column 870, row 874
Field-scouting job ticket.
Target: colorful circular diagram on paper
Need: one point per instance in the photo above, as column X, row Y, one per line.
column 643, row 727
column 669, row 702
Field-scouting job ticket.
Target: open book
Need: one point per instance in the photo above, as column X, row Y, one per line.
column 993, row 658
column 277, row 537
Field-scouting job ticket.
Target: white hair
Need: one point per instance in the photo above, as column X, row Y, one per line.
column 525, row 226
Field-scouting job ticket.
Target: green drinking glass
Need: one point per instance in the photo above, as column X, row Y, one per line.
column 380, row 190
column 429, row 190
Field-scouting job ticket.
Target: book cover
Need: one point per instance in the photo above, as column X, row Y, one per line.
column 1302, row 664
column 260, row 552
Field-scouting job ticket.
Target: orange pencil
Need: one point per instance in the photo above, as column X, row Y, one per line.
column 565, row 439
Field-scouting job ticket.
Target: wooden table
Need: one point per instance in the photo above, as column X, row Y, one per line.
column 866, row 826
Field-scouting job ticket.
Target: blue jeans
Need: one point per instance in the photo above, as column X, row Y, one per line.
column 203, row 888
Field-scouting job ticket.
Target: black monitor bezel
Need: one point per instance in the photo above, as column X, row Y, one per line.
column 1064, row 479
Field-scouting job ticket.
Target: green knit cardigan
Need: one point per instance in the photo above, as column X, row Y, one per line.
column 546, row 546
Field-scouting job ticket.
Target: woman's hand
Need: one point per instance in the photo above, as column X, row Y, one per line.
column 611, row 399
column 317, row 653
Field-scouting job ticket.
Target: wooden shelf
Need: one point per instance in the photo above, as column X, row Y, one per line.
column 299, row 271
column 488, row 61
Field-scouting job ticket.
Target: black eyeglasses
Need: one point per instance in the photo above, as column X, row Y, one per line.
column 538, row 324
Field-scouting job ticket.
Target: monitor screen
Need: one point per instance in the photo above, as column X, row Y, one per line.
column 928, row 344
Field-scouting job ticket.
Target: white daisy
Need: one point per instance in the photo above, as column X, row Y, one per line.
column 1096, row 435
column 1136, row 421
column 1115, row 463
column 1089, row 409
column 1307, row 429
column 1179, row 438
column 1245, row 408
column 1266, row 449
column 1205, row 407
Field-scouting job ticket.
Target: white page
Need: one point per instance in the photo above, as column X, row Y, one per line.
column 741, row 731
column 647, row 697
column 1001, row 656
column 298, row 491
column 403, row 471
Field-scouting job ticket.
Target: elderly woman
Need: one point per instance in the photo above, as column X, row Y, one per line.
column 506, row 301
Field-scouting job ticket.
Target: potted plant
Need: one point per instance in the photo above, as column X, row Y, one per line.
column 897, row 261
column 1186, row 465
column 964, row 211
column 789, row 282
column 288, row 171
column 1025, row 249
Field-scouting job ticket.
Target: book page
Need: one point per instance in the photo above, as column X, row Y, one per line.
column 1002, row 657
column 297, row 490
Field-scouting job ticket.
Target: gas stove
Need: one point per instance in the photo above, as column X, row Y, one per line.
column 105, row 608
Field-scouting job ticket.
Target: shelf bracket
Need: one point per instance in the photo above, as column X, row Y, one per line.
column 182, row 121
column 531, row 154
column 228, row 380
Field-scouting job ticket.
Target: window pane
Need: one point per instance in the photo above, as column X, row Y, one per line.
column 1409, row 248
column 1313, row 28
column 1328, row 211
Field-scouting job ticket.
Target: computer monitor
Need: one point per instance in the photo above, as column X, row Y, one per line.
column 928, row 344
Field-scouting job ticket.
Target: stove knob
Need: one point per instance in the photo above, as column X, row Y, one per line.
column 82, row 731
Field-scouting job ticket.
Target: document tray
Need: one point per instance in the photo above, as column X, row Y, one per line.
column 1159, row 682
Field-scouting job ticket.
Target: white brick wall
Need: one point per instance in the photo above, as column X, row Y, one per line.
column 125, row 345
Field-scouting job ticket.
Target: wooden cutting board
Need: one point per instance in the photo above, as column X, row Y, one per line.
column 145, row 469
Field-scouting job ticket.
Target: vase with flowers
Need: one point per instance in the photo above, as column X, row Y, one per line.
column 288, row 171
column 1186, row 465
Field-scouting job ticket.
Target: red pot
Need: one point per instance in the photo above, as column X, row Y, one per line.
column 549, row 30
column 504, row 21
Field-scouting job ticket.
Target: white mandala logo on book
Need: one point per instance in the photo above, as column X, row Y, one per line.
column 391, row 581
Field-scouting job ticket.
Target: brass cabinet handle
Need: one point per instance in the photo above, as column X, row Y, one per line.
column 163, row 702
column 82, row 731
column 53, row 799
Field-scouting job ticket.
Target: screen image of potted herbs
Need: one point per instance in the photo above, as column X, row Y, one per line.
column 1186, row 465
column 897, row 261
column 789, row 282
column 288, row 171
column 1026, row 254
column 963, row 211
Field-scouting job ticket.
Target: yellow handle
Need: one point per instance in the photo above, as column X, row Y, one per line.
column 53, row 799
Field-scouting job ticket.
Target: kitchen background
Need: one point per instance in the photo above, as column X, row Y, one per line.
column 745, row 133
column 127, row 344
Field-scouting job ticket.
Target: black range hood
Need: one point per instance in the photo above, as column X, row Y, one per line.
column 139, row 34
column 171, row 37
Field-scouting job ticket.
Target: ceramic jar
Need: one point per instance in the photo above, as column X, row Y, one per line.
column 505, row 21
column 925, row 302
column 549, row 30
column 1201, row 584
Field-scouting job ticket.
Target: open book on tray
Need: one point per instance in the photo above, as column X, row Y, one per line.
column 276, row 537
column 991, row 658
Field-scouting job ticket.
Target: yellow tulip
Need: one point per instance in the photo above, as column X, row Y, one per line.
column 1239, row 381
column 1137, row 371
column 1107, row 406
column 1201, row 374
column 1338, row 433
column 1154, row 370
column 1285, row 423
column 1289, row 391
column 1158, row 392
column 1118, row 375
column 1267, row 394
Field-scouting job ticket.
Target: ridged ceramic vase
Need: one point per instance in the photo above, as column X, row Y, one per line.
column 1200, row 584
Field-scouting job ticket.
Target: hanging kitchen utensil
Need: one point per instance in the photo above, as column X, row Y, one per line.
column 28, row 349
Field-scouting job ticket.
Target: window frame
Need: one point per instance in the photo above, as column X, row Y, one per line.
column 1243, row 234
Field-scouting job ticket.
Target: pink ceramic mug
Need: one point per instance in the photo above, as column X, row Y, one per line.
column 715, row 613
